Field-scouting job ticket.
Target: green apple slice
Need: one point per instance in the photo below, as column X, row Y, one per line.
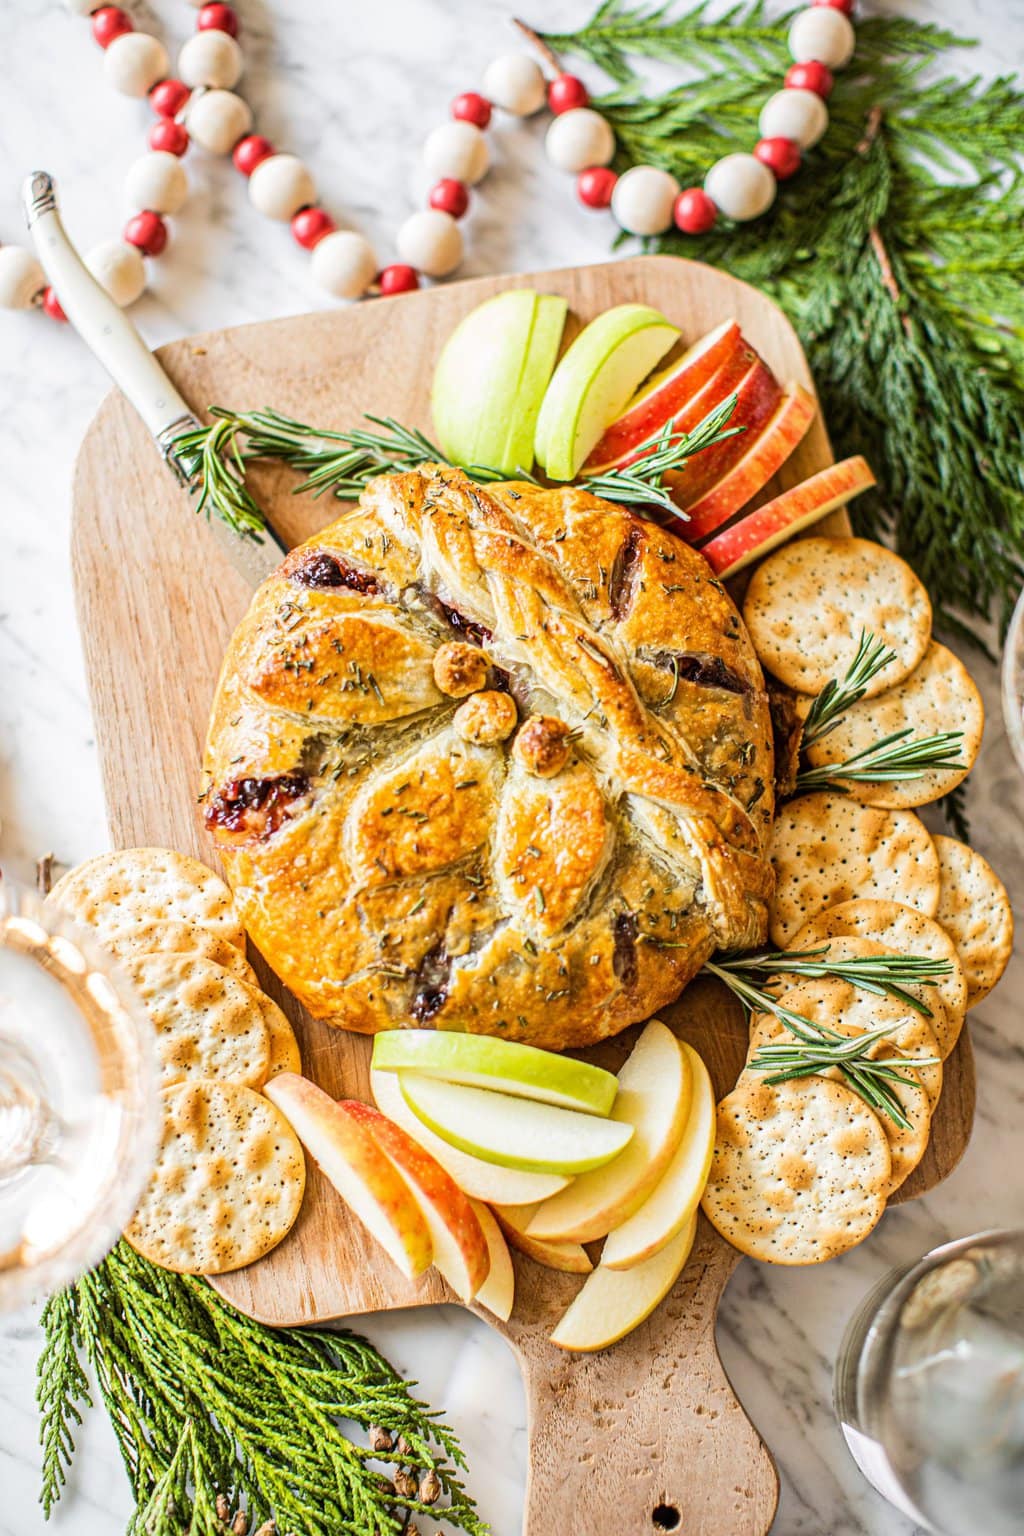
column 515, row 1133
column 595, row 380
column 538, row 366
column 478, row 1061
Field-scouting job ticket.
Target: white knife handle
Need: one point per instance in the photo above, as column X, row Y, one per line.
column 103, row 326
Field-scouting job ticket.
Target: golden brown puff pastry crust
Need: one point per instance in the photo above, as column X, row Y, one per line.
column 495, row 759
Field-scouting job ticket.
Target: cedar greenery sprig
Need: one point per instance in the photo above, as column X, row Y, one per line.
column 881, row 975
column 838, row 694
column 907, row 292
column 212, row 1410
column 900, row 755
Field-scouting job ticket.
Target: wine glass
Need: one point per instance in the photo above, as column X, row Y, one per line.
column 78, row 1099
column 1013, row 682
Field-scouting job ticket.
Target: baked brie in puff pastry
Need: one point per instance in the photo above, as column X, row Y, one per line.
column 492, row 758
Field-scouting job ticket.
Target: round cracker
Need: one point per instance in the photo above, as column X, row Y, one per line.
column 939, row 695
column 809, row 603
column 208, row 1023
column 849, row 1010
column 284, row 1048
column 825, row 848
column 901, row 930
column 975, row 911
column 800, row 1170
column 179, row 938
column 114, row 892
column 227, row 1184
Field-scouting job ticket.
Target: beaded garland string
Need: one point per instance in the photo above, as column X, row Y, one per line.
column 200, row 106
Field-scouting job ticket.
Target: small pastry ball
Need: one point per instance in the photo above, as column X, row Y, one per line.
column 216, row 120
column 431, row 242
column 543, row 746
column 457, row 151
column 643, row 200
column 21, row 277
column 740, row 187
column 514, row 82
column 134, row 62
column 157, row 182
column 460, row 669
column 823, row 36
column 119, row 268
column 486, row 718
column 794, row 114
column 280, row 186
column 579, row 138
column 210, row 58
column 343, row 263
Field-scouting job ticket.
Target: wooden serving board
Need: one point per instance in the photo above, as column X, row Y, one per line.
column 648, row 1435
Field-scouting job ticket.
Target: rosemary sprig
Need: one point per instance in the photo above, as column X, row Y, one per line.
column 838, row 694
column 642, row 482
column 211, row 1409
column 900, row 755
column 816, row 1048
column 881, row 975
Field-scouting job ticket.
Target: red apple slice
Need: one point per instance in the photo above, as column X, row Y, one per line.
column 758, row 395
column 778, row 520
column 460, row 1247
column 663, row 395
column 368, row 1182
column 761, row 459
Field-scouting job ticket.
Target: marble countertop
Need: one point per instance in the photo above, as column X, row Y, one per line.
column 354, row 90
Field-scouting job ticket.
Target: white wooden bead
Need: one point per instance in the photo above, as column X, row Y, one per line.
column 134, row 62
column 431, row 242
column 643, row 200
column 579, row 138
column 119, row 268
column 210, row 58
column 515, row 82
column 21, row 277
column 822, row 35
column 343, row 263
column 794, row 114
column 216, row 120
column 740, row 187
column 156, row 181
column 458, row 150
column 280, row 186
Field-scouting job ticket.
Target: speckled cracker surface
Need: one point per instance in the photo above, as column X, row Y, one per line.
column 284, row 1048
column 825, row 848
column 809, row 602
column 172, row 937
column 208, row 1023
column 800, row 1170
column 939, row 695
column 901, row 930
column 115, row 892
column 227, row 1184
column 975, row 911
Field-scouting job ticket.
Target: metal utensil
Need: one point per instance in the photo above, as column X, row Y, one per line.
column 114, row 341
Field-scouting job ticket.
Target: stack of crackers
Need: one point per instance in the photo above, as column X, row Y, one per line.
column 803, row 1169
column 230, row 1174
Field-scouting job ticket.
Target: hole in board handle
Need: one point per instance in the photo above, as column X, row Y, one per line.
column 665, row 1517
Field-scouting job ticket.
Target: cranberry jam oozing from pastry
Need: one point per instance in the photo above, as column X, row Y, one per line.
column 492, row 758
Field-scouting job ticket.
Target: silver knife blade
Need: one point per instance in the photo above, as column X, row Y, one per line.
column 114, row 341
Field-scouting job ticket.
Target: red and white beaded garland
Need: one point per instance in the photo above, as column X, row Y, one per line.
column 200, row 105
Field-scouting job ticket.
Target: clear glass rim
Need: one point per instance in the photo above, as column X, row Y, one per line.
column 1012, row 682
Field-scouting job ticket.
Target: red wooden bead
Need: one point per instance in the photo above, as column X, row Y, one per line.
column 148, row 231
column 398, row 279
column 310, row 225
column 781, row 156
column 217, row 18
column 51, row 304
column 594, row 187
column 470, row 107
column 811, row 76
column 110, row 22
column 566, row 92
column 250, row 151
column 694, row 212
column 450, row 196
column 846, row 6
column 168, row 97
column 169, row 136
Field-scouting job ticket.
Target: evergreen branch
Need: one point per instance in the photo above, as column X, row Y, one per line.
column 900, row 755
column 211, row 1410
column 881, row 975
column 642, row 483
column 954, row 808
column 839, row 694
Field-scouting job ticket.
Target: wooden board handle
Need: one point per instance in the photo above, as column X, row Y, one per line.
column 647, row 1436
